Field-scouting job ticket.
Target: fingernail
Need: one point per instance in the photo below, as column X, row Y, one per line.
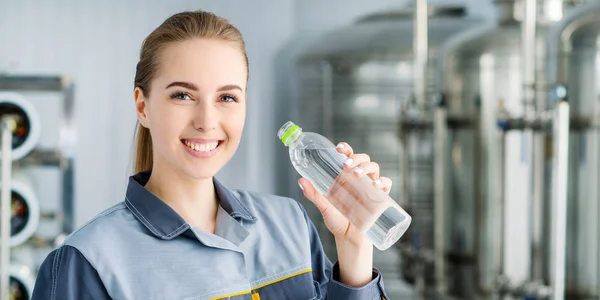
column 349, row 162
column 340, row 146
column 358, row 170
column 378, row 182
column 300, row 186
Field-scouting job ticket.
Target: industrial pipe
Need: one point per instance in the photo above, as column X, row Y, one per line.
column 5, row 205
column 420, row 47
column 534, row 140
column 559, row 199
column 528, row 38
column 438, row 206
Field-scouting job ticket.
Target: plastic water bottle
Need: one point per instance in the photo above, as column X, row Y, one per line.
column 367, row 207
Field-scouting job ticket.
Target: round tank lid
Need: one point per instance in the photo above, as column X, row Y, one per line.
column 432, row 11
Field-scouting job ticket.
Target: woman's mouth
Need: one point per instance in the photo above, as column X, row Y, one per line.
column 201, row 148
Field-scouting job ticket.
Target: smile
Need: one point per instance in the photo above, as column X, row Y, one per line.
column 201, row 148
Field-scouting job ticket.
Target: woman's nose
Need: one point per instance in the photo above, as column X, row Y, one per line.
column 206, row 118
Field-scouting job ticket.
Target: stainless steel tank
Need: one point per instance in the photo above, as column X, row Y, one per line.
column 356, row 86
column 497, row 202
column 576, row 66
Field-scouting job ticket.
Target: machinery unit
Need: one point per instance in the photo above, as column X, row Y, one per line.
column 503, row 227
column 575, row 73
column 357, row 86
column 23, row 242
column 25, row 210
column 22, row 280
column 26, row 133
column 517, row 122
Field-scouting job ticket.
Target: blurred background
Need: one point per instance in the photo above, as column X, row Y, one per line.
column 483, row 112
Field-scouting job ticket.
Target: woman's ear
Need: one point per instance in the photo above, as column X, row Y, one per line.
column 140, row 106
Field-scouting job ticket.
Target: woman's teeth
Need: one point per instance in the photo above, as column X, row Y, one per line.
column 206, row 147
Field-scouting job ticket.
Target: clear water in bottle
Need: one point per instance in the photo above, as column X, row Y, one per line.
column 368, row 208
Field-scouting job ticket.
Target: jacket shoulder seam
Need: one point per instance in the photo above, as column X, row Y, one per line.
column 99, row 216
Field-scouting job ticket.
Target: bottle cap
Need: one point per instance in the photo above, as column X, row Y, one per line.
column 287, row 131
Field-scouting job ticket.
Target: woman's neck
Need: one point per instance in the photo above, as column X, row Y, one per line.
column 195, row 200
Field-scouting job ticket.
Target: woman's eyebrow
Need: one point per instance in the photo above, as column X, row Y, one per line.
column 186, row 85
column 191, row 86
column 229, row 87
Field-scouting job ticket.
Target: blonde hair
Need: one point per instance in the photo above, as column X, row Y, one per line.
column 177, row 28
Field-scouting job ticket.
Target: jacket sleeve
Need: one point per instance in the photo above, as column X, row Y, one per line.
column 326, row 275
column 66, row 274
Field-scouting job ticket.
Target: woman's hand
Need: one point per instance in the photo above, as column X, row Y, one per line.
column 337, row 224
column 355, row 251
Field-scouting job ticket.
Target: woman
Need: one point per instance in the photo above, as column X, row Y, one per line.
column 179, row 233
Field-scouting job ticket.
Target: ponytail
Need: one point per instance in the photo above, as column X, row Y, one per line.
column 143, row 149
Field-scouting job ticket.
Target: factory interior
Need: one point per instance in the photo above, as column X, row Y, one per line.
column 475, row 109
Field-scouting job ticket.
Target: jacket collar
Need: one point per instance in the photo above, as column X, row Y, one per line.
column 161, row 219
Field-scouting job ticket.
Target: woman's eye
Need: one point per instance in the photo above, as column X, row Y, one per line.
column 227, row 98
column 181, row 96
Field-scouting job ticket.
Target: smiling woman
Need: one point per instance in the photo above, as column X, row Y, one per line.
column 198, row 78
column 179, row 233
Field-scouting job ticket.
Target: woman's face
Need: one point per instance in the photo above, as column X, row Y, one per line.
column 197, row 106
